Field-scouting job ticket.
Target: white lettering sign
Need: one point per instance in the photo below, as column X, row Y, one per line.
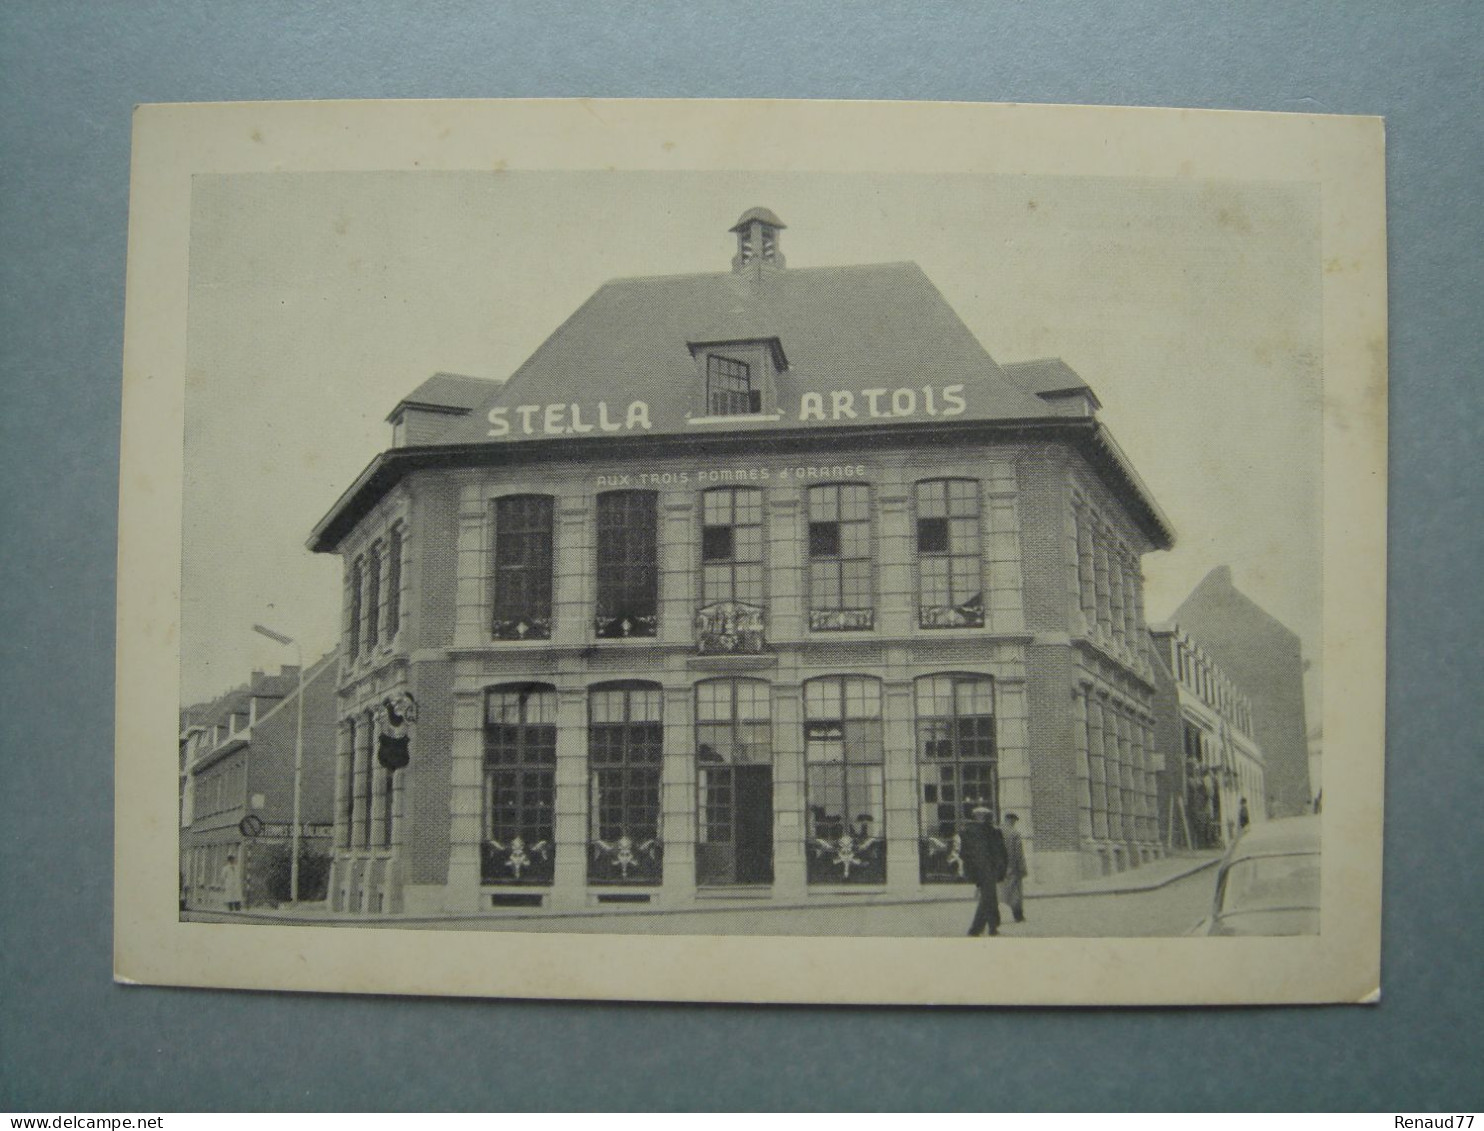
column 883, row 403
column 565, row 419
column 839, row 404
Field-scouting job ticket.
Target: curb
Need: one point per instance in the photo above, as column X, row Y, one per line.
column 1128, row 889
column 825, row 904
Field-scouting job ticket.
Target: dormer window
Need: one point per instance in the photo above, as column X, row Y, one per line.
column 736, row 378
column 729, row 390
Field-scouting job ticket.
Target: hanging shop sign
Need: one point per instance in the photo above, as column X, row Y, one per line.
column 395, row 715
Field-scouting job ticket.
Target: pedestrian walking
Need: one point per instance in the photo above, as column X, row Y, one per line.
column 232, row 883
column 1243, row 817
column 1011, row 892
column 985, row 863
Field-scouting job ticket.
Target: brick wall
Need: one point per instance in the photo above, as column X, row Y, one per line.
column 1050, row 675
column 1043, row 503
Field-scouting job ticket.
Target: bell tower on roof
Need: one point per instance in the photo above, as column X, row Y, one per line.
column 757, row 241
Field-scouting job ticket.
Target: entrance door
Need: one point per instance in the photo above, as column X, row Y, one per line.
column 736, row 825
column 754, row 824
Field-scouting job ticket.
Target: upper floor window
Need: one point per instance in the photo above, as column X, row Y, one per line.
column 628, row 564
column 373, row 596
column 522, row 602
column 950, row 566
column 732, row 545
column 729, row 388
column 394, row 582
column 840, row 590
column 353, row 645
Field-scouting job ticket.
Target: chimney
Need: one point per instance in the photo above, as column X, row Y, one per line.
column 757, row 242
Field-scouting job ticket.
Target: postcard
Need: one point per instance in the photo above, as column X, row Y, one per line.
column 753, row 551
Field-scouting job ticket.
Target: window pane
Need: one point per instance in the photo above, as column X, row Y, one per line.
column 716, row 543
column 932, row 535
column 824, row 585
column 824, row 539
column 713, row 702
column 932, row 500
column 963, row 496
column 717, row 508
column 963, row 535
column 824, row 504
column 753, row 701
column 645, row 705
column 748, row 544
column 855, row 503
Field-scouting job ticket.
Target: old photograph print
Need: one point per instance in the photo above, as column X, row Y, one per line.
column 746, row 553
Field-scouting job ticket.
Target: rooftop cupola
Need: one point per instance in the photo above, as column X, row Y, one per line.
column 757, row 241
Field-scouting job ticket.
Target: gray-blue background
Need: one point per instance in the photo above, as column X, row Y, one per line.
column 69, row 75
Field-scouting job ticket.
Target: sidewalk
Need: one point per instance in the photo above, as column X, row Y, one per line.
column 1150, row 877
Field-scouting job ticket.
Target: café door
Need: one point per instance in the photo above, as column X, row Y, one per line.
column 735, row 845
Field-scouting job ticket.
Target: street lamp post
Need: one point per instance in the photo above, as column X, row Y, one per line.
column 295, row 828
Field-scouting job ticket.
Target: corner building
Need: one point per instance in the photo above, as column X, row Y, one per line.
column 744, row 584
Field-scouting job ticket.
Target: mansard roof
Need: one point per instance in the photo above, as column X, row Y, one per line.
column 876, row 326
column 843, row 341
column 447, row 392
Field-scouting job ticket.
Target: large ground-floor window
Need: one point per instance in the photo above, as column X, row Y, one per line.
column 844, row 754
column 519, row 846
column 956, row 764
column 625, row 746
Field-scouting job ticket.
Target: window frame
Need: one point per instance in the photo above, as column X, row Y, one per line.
column 638, row 581
column 724, row 394
column 841, row 617
column 373, row 596
column 357, row 572
column 731, row 562
column 938, row 853
column 636, row 777
column 951, row 613
column 828, row 859
column 393, row 604
column 528, row 768
column 367, row 798
column 522, row 589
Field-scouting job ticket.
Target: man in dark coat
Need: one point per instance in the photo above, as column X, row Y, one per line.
column 985, row 862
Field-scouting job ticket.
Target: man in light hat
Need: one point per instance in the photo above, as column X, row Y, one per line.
column 1015, row 870
column 985, row 863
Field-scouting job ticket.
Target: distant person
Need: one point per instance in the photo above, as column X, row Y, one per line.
column 985, row 863
column 1015, row 869
column 232, row 883
column 1243, row 817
